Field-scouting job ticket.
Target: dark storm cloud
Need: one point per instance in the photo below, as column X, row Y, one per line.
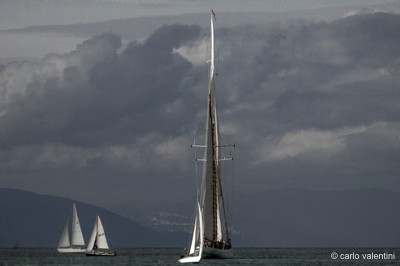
column 42, row 99
column 145, row 79
column 92, row 92
column 322, row 74
column 311, row 89
column 311, row 104
column 94, row 109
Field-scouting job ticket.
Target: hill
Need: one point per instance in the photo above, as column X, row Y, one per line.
column 307, row 218
column 301, row 218
column 273, row 218
column 32, row 220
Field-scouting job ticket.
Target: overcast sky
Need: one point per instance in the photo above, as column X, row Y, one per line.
column 309, row 103
column 22, row 13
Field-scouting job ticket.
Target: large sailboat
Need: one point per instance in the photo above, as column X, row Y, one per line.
column 77, row 244
column 210, row 234
column 98, row 245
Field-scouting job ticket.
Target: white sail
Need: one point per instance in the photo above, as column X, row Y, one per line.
column 98, row 238
column 64, row 240
column 196, row 248
column 201, row 232
column 92, row 238
column 195, row 235
column 219, row 224
column 101, row 235
column 77, row 236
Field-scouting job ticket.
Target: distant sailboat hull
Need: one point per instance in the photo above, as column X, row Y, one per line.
column 72, row 250
column 101, row 253
column 216, row 253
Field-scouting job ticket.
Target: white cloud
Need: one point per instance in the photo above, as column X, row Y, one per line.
column 60, row 156
column 296, row 143
column 172, row 147
column 360, row 11
column 195, row 53
column 357, row 74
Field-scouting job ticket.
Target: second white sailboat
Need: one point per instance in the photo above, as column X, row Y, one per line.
column 98, row 245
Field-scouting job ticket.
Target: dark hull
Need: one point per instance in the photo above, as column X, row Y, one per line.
column 101, row 253
column 216, row 253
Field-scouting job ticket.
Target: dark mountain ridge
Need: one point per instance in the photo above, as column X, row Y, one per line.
column 312, row 218
column 299, row 218
column 33, row 220
column 273, row 218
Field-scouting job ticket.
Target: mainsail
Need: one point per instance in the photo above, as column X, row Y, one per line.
column 77, row 236
column 215, row 231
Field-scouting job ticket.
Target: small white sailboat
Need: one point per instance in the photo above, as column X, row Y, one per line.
column 210, row 235
column 197, row 244
column 98, row 245
column 77, row 244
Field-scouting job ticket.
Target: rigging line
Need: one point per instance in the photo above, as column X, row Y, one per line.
column 230, row 170
column 222, row 202
column 197, row 175
column 223, row 95
column 228, row 126
column 232, row 175
column 197, row 198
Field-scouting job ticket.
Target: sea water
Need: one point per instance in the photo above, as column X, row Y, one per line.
column 242, row 256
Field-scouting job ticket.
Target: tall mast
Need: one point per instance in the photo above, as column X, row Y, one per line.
column 212, row 59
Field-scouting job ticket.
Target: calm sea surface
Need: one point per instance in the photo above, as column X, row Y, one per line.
column 242, row 256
